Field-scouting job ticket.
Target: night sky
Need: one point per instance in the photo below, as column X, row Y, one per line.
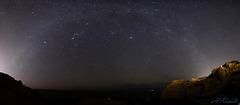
column 77, row 44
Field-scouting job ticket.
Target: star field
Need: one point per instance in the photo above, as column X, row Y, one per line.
column 78, row 44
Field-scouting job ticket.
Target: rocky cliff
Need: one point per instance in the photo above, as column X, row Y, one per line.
column 221, row 86
column 13, row 92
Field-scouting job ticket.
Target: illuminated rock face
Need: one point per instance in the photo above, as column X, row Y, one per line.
column 13, row 92
column 224, row 81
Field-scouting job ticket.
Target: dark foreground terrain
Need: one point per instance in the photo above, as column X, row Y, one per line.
column 221, row 87
column 13, row 92
column 117, row 97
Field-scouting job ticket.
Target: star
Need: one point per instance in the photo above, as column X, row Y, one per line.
column 185, row 40
column 131, row 37
column 168, row 30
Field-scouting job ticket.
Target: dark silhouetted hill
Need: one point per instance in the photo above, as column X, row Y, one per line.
column 13, row 92
column 222, row 86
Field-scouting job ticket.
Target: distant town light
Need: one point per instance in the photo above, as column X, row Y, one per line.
column 152, row 90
